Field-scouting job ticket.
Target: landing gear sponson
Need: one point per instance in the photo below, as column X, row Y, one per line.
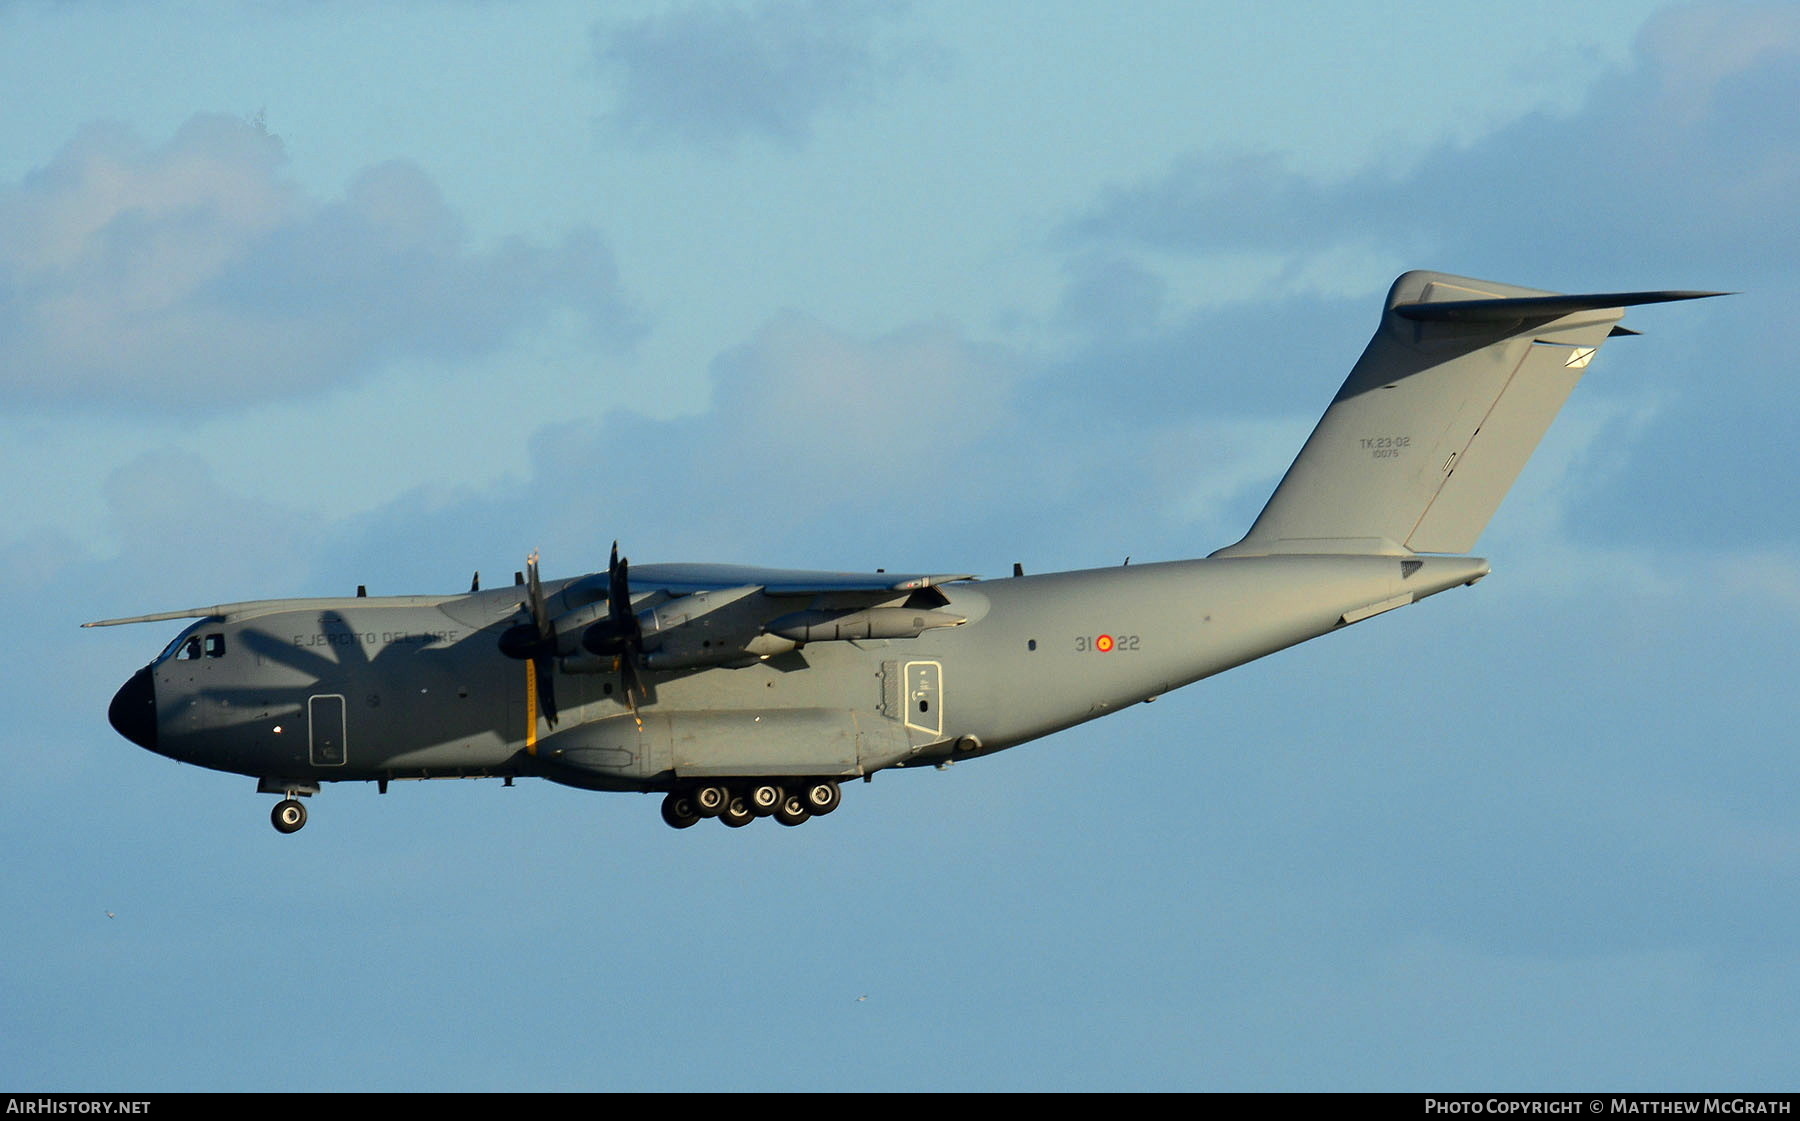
column 739, row 802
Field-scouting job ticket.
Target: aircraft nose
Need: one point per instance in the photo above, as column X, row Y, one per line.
column 133, row 711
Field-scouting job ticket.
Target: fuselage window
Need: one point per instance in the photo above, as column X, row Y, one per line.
column 214, row 645
column 189, row 649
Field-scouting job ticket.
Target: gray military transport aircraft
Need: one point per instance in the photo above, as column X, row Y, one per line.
column 742, row 692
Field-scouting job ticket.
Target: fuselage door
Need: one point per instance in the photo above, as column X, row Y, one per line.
column 924, row 697
column 325, row 718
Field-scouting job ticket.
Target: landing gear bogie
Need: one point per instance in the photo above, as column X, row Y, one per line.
column 792, row 810
column 821, row 796
column 765, row 798
column 711, row 800
column 678, row 811
column 737, row 812
column 738, row 803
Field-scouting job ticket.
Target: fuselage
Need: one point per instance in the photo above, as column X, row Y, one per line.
column 300, row 692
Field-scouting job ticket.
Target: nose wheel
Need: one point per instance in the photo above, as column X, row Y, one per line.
column 289, row 815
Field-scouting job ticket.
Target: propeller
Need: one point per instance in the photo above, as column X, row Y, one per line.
column 621, row 634
column 535, row 641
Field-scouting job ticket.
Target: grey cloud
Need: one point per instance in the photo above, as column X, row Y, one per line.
column 712, row 74
column 197, row 275
column 813, row 439
column 819, row 449
column 1111, row 295
column 1682, row 172
column 919, row 448
column 195, row 536
column 1689, row 158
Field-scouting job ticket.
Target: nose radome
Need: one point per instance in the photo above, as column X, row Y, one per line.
column 133, row 711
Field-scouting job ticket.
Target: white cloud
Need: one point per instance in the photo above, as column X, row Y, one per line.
column 1767, row 577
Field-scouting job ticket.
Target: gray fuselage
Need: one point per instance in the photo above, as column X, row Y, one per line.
column 310, row 691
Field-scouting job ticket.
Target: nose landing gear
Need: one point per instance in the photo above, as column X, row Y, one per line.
column 289, row 815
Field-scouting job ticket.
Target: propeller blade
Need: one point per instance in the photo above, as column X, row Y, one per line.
column 618, row 591
column 535, row 640
column 634, row 682
column 546, row 687
column 621, row 633
column 535, row 589
column 542, row 664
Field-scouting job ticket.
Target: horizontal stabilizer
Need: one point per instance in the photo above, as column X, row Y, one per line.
column 1521, row 308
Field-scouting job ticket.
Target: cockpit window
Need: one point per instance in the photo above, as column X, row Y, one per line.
column 193, row 643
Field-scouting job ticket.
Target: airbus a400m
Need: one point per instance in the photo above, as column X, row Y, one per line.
column 742, row 692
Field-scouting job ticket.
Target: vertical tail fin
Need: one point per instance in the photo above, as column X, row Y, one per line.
column 1437, row 418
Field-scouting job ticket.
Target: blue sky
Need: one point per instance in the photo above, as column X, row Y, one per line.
column 299, row 296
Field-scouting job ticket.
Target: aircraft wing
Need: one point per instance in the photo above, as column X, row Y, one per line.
column 252, row 607
column 686, row 616
column 682, row 579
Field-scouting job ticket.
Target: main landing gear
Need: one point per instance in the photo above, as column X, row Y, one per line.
column 738, row 803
